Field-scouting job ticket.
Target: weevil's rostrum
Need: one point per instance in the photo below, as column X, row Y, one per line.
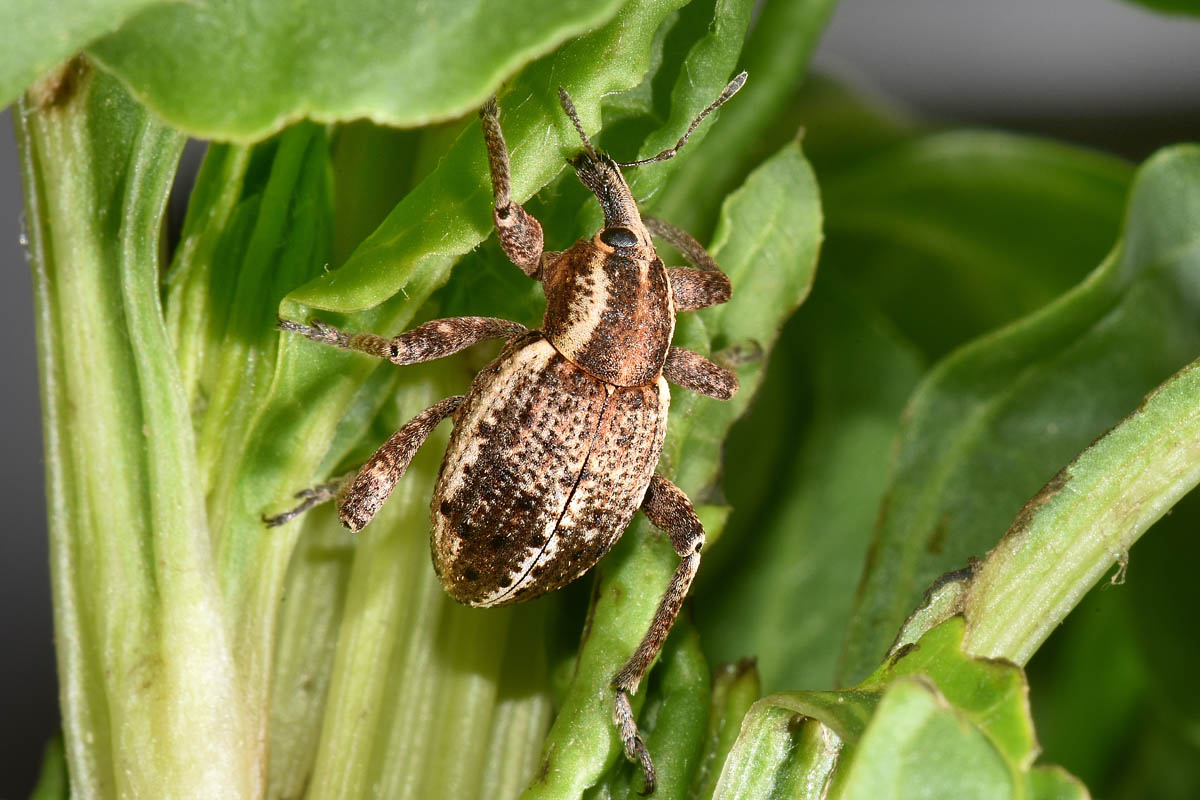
column 555, row 444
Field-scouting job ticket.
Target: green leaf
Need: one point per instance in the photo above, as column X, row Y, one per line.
column 993, row 695
column 449, row 212
column 918, row 745
column 806, row 470
column 38, row 36
column 151, row 696
column 996, row 419
column 53, row 782
column 990, row 226
column 735, row 688
column 1055, row 783
column 1095, row 740
column 222, row 69
column 775, row 57
column 898, row 733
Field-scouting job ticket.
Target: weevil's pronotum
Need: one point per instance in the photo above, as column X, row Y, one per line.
column 555, row 445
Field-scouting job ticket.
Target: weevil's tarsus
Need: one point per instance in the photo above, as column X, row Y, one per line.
column 729, row 91
column 667, row 508
column 635, row 747
column 315, row 496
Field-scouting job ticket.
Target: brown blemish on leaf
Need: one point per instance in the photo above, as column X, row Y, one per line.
column 937, row 540
column 59, row 86
column 1025, row 518
column 900, row 653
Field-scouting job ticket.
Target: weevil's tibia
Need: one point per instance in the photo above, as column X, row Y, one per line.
column 519, row 233
column 360, row 495
column 669, row 509
column 363, row 496
column 696, row 373
column 435, row 339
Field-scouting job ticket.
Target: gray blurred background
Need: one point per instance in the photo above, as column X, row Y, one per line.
column 1100, row 72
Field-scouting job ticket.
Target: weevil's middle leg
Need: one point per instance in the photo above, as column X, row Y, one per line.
column 695, row 372
column 669, row 509
column 360, row 495
column 520, row 234
column 701, row 285
column 312, row 497
column 435, row 339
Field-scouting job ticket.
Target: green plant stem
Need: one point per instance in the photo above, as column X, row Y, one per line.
column 1086, row 519
column 150, row 691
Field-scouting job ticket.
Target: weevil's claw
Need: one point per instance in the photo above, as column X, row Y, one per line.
column 316, row 330
column 631, row 740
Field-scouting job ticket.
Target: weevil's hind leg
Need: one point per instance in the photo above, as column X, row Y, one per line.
column 315, row 496
column 520, row 234
column 435, row 339
column 695, row 372
column 669, row 509
column 360, row 495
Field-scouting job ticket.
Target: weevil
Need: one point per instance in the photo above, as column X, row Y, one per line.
column 555, row 446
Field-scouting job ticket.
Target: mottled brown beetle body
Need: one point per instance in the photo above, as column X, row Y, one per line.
column 517, row 515
column 555, row 445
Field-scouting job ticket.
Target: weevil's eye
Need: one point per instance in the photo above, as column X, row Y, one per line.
column 618, row 237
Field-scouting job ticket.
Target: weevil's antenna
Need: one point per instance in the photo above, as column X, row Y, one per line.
column 730, row 90
column 569, row 107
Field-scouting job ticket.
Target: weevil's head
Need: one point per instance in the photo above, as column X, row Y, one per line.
column 602, row 176
column 623, row 226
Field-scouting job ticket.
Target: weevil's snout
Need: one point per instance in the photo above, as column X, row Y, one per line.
column 601, row 175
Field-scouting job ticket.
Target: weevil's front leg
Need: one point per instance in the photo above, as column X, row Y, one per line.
column 695, row 372
column 520, row 234
column 434, row 339
column 692, row 251
column 670, row 510
column 362, row 494
column 703, row 284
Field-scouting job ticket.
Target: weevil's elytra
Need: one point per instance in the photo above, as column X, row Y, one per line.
column 555, row 445
column 529, row 410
